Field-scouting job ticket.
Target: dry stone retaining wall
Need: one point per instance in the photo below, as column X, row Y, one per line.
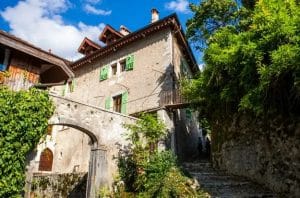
column 266, row 152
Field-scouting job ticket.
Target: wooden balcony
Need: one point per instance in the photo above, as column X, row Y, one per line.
column 173, row 99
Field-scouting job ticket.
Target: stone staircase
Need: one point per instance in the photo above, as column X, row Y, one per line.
column 219, row 184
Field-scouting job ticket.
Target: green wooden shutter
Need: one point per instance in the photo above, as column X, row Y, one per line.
column 124, row 102
column 72, row 85
column 63, row 90
column 107, row 103
column 104, row 72
column 129, row 62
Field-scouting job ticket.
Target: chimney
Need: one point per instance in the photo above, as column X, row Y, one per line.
column 124, row 30
column 154, row 15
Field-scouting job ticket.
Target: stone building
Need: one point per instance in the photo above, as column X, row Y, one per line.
column 133, row 72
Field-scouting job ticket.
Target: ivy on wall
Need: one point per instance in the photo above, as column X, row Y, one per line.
column 23, row 121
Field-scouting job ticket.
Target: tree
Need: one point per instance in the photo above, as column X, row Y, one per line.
column 251, row 55
column 23, row 121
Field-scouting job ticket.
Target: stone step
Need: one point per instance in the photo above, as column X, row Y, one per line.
column 197, row 164
column 220, row 184
column 238, row 191
column 212, row 176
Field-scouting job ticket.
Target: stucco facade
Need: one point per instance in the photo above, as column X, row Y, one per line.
column 151, row 74
column 134, row 73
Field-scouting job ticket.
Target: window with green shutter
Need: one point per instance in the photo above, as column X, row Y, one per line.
column 104, row 72
column 129, row 62
column 107, row 103
column 124, row 102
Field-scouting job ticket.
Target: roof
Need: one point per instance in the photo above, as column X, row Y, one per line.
column 27, row 48
column 87, row 41
column 108, row 28
column 169, row 21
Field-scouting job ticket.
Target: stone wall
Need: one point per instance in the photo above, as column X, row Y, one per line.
column 59, row 185
column 267, row 152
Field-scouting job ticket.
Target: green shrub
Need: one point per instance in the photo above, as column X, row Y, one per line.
column 23, row 121
column 147, row 172
column 164, row 179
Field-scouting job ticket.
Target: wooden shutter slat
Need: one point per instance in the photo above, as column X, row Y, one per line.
column 124, row 102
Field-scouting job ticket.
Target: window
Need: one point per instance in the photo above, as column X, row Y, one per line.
column 4, row 59
column 117, row 103
column 123, row 65
column 114, row 69
column 2, row 66
column 46, row 160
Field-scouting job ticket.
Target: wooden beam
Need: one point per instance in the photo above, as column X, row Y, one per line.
column 35, row 52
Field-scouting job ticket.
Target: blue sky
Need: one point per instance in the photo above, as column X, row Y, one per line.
column 60, row 25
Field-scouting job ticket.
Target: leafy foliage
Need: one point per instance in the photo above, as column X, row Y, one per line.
column 252, row 57
column 147, row 172
column 148, row 127
column 23, row 121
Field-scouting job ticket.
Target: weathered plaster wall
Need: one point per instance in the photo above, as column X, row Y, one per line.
column 177, row 57
column 70, row 148
column 71, row 151
column 267, row 152
column 150, row 75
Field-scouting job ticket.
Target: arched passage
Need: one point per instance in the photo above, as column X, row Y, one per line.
column 97, row 162
column 79, row 126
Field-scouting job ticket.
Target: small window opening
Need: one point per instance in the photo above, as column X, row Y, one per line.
column 114, row 69
column 117, row 102
column 123, row 65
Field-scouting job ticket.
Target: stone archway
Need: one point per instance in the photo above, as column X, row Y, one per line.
column 103, row 127
column 97, row 162
column 76, row 125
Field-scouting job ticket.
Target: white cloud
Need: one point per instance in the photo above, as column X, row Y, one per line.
column 40, row 22
column 92, row 10
column 178, row 6
column 93, row 1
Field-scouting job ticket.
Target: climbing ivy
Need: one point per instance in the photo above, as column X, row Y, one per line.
column 23, row 121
